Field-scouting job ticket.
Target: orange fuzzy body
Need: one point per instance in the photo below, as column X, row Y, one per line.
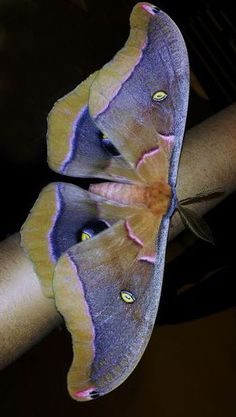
column 155, row 197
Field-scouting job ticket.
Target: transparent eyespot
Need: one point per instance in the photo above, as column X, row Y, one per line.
column 85, row 236
column 108, row 145
column 159, row 95
column 127, row 296
column 91, row 229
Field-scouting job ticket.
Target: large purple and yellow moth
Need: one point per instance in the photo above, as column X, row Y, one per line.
column 100, row 253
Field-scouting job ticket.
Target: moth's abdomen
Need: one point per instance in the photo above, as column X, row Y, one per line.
column 127, row 194
column 156, row 197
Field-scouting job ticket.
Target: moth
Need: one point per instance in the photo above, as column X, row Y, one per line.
column 100, row 253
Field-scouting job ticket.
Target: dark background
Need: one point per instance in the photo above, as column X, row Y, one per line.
column 47, row 48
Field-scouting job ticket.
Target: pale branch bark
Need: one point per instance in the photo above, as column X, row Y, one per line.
column 208, row 162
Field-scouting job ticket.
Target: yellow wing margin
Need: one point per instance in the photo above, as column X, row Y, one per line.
column 35, row 237
column 69, row 292
column 118, row 70
column 61, row 123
